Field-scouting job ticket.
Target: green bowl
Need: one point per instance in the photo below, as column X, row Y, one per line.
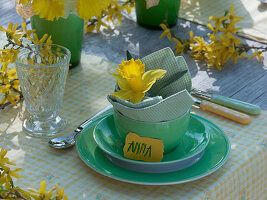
column 170, row 132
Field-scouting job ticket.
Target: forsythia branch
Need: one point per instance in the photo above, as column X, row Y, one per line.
column 9, row 191
column 9, row 83
column 113, row 14
column 222, row 44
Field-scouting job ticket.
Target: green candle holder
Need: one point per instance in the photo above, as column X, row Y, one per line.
column 66, row 32
column 156, row 15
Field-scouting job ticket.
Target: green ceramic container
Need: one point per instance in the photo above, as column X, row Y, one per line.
column 170, row 132
column 65, row 32
column 156, row 15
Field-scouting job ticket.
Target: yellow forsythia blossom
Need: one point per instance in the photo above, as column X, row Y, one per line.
column 9, row 83
column 9, row 191
column 222, row 44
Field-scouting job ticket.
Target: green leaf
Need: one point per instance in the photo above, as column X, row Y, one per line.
column 129, row 56
column 12, row 184
column 172, row 79
column 2, row 189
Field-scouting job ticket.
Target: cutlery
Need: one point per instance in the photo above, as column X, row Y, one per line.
column 65, row 142
column 223, row 111
column 228, row 102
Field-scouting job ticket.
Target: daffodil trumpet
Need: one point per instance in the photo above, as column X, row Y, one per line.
column 133, row 81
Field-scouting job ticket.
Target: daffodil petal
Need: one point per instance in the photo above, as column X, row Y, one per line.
column 153, row 75
column 123, row 84
column 137, row 97
column 150, row 77
column 123, row 94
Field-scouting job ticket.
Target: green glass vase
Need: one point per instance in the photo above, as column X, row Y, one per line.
column 156, row 15
column 66, row 32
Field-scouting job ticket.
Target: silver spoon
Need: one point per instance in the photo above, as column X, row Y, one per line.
column 65, row 142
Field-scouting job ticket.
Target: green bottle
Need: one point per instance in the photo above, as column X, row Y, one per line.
column 66, row 32
column 166, row 10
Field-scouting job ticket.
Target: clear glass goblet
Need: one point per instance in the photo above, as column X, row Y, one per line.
column 42, row 71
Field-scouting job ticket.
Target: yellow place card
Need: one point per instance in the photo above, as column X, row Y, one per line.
column 143, row 148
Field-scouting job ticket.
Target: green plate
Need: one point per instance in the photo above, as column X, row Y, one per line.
column 214, row 157
column 189, row 150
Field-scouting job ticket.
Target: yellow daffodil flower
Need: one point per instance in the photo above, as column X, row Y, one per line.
column 167, row 32
column 91, row 8
column 133, row 81
column 54, row 10
column 179, row 47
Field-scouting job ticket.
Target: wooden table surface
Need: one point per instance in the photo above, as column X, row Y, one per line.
column 246, row 80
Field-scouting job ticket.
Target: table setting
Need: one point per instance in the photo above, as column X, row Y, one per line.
column 131, row 118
